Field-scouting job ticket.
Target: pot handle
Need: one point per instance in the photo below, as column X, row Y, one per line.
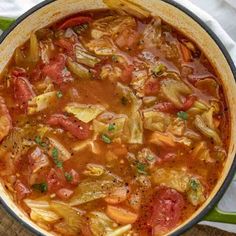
column 216, row 215
column 5, row 23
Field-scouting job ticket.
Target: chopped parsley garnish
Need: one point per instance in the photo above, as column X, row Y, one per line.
column 124, row 101
column 194, row 184
column 150, row 158
column 39, row 141
column 68, row 177
column 106, row 139
column 42, row 187
column 141, row 168
column 55, row 156
column 182, row 115
column 158, row 69
column 111, row 127
column 59, row 94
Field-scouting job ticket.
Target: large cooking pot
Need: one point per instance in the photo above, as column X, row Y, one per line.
column 179, row 17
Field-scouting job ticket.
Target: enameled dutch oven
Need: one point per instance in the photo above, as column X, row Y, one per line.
column 179, row 17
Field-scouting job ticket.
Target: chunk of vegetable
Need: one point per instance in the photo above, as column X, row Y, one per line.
column 41, row 102
column 90, row 189
column 173, row 178
column 77, row 69
column 117, row 195
column 72, row 217
column 84, row 112
column 156, row 120
column 34, row 49
column 129, row 7
column 202, row 152
column 5, row 119
column 174, row 90
column 162, row 139
column 177, row 127
column 186, row 53
column 83, row 57
column 94, row 170
column 207, row 131
column 121, row 215
column 135, row 121
column 100, row 224
column 42, row 215
column 87, row 144
column 138, row 82
column 37, row 160
column 152, row 33
column 63, row 153
column 195, row 192
column 100, row 127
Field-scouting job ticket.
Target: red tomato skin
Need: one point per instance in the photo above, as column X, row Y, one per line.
column 64, row 193
column 21, row 190
column 152, row 87
column 165, row 107
column 76, row 127
column 74, row 21
column 166, row 211
column 75, row 177
column 127, row 74
column 23, row 90
column 55, row 179
column 54, row 69
column 189, row 102
column 66, row 44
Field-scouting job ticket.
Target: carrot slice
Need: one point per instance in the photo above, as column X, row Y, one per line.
column 160, row 139
column 186, row 53
column 74, row 21
column 121, row 215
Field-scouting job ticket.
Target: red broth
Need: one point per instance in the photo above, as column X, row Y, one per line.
column 111, row 125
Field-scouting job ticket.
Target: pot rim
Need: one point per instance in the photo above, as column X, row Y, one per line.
column 230, row 62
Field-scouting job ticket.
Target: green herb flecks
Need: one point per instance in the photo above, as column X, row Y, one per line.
column 141, row 168
column 68, row 177
column 42, row 187
column 150, row 158
column 158, row 70
column 59, row 94
column 182, row 115
column 106, row 138
column 55, row 156
column 39, row 141
column 194, row 184
column 111, row 127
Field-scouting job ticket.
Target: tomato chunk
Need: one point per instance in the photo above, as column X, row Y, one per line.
column 55, row 180
column 166, row 212
column 21, row 190
column 127, row 74
column 189, row 102
column 76, row 127
column 75, row 177
column 55, row 68
column 74, row 21
column 64, row 193
column 66, row 44
column 5, row 121
column 152, row 87
column 165, row 107
column 23, row 90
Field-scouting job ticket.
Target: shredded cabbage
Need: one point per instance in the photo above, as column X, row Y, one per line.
column 41, row 102
column 84, row 112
